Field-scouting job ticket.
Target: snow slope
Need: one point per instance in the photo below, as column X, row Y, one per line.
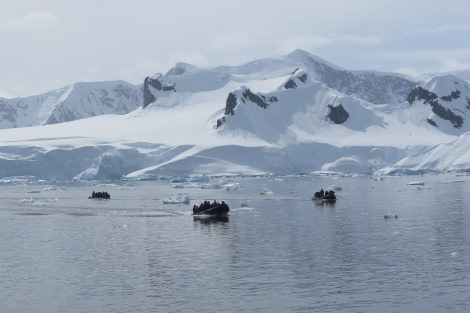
column 294, row 114
column 444, row 102
column 453, row 156
column 77, row 101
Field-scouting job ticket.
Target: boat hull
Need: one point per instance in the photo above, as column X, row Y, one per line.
column 324, row 199
column 217, row 210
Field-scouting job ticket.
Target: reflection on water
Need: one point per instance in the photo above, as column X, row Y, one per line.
column 211, row 219
column 322, row 203
column 276, row 252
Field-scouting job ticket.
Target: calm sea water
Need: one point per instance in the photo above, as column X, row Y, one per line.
column 277, row 251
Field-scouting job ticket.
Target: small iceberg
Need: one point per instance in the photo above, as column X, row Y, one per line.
column 196, row 185
column 30, row 200
column 415, row 183
column 454, row 181
column 334, row 187
column 266, row 191
column 176, row 200
column 233, row 186
column 192, row 179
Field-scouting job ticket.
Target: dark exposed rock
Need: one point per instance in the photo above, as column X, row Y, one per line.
column 290, row 84
column 154, row 82
column 419, row 93
column 220, row 121
column 148, row 96
column 247, row 94
column 453, row 95
column 338, row 114
column 271, row 99
column 169, row 88
column 157, row 84
column 296, row 74
column 7, row 113
column 230, row 104
column 447, row 114
column 303, row 77
column 430, row 121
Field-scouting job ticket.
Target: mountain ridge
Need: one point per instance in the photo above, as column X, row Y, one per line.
column 73, row 102
column 293, row 114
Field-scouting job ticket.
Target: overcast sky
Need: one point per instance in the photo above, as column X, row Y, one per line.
column 48, row 44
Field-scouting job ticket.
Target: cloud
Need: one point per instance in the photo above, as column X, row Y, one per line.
column 35, row 20
column 231, row 42
column 439, row 60
column 189, row 57
column 4, row 94
column 442, row 29
column 314, row 42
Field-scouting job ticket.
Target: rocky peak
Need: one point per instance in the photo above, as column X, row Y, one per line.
column 152, row 85
column 179, row 69
column 373, row 87
column 448, row 96
column 298, row 77
column 245, row 95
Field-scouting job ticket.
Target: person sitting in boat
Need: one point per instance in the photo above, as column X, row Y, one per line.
column 322, row 193
column 195, row 209
column 100, row 195
column 204, row 206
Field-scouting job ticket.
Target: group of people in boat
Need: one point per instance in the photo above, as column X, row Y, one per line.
column 329, row 194
column 100, row 195
column 206, row 205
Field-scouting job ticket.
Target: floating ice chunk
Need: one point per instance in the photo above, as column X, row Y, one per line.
column 185, row 185
column 211, row 186
column 233, row 186
column 414, row 183
column 196, row 185
column 197, row 178
column 266, row 191
column 422, row 188
column 176, row 199
column 193, row 178
column 334, row 187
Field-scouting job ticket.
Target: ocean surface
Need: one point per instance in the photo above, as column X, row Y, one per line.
column 384, row 246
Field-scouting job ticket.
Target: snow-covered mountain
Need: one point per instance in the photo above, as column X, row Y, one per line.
column 444, row 102
column 453, row 156
column 297, row 113
column 77, row 101
column 373, row 87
